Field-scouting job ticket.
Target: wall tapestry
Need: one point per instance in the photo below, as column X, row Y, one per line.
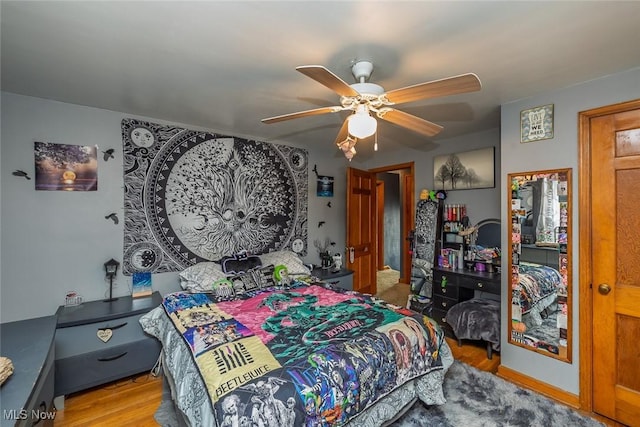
column 194, row 196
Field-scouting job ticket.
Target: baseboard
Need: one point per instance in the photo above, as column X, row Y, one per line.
column 545, row 389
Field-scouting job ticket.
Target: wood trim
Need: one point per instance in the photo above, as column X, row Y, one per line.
column 545, row 389
column 408, row 224
column 407, row 208
column 409, row 165
column 585, row 262
column 380, row 226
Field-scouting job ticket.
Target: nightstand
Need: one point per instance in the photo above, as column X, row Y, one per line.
column 342, row 278
column 98, row 342
column 26, row 396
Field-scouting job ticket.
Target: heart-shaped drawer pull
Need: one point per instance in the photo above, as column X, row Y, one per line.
column 105, row 334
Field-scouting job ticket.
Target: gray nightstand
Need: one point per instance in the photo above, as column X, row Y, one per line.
column 83, row 360
column 342, row 278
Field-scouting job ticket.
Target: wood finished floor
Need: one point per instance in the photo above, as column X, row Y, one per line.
column 133, row 401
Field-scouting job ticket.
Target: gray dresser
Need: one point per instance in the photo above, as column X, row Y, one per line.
column 453, row 286
column 26, row 397
column 84, row 360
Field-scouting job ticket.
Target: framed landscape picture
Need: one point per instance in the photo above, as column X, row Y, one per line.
column 464, row 171
column 66, row 167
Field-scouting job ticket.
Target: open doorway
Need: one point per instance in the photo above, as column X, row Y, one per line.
column 395, row 192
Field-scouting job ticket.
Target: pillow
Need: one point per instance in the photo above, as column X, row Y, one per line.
column 289, row 259
column 252, row 280
column 240, row 263
column 201, row 276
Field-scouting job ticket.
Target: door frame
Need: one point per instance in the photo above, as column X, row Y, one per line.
column 585, row 266
column 407, row 210
column 380, row 222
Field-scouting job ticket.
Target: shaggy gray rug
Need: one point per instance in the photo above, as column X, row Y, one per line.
column 477, row 398
column 474, row 399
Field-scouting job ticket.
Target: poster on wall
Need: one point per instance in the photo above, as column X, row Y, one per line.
column 325, row 186
column 193, row 196
column 65, row 167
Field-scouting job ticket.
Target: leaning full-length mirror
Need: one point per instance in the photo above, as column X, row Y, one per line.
column 540, row 261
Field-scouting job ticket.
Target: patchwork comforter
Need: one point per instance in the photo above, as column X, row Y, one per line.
column 537, row 287
column 307, row 355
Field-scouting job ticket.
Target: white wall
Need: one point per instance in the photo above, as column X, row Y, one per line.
column 54, row 241
column 559, row 152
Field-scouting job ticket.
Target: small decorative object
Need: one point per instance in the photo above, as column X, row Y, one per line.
column 466, row 170
column 281, row 275
column 326, row 260
column 21, row 174
column 337, row 261
column 66, row 167
column 105, row 334
column 141, row 284
column 111, row 269
column 428, row 195
column 112, row 216
column 108, row 154
column 6, row 369
column 72, row 298
column 536, row 123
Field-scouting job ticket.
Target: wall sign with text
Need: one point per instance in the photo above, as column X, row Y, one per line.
column 536, row 123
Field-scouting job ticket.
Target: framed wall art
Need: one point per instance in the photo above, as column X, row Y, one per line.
column 464, row 171
column 536, row 123
column 66, row 167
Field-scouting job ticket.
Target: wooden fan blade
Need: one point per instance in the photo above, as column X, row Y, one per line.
column 409, row 121
column 444, row 87
column 306, row 113
column 328, row 79
column 343, row 133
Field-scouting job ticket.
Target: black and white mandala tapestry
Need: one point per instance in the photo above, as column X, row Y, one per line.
column 192, row 196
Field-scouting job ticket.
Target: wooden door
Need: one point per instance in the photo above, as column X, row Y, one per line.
column 615, row 255
column 361, row 229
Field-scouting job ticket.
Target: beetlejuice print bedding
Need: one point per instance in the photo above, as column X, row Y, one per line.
column 309, row 355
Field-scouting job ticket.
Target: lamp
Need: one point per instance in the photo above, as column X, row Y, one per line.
column 361, row 124
column 111, row 269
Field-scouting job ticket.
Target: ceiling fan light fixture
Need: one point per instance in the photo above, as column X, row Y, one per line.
column 361, row 124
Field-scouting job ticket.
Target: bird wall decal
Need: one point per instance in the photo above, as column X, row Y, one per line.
column 108, row 154
column 112, row 216
column 20, row 173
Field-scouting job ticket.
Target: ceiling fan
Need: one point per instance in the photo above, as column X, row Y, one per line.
column 364, row 98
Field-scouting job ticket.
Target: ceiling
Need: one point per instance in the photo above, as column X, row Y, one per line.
column 226, row 65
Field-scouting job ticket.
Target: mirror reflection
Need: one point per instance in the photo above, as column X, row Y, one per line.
column 540, row 262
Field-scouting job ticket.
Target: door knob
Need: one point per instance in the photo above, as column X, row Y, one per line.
column 604, row 289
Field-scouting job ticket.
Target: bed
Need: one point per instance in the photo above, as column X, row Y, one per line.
column 293, row 352
column 536, row 291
